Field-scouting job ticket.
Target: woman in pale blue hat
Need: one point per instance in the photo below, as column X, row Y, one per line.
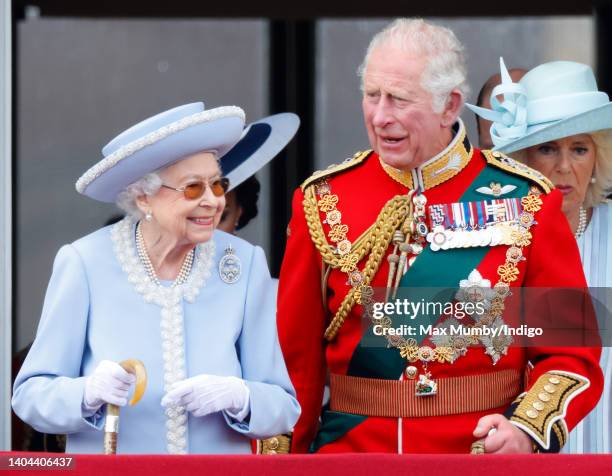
column 163, row 286
column 556, row 121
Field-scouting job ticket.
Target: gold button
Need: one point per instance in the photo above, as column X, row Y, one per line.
column 411, row 372
column 554, row 380
column 544, row 397
column 549, row 388
column 538, row 405
column 532, row 413
column 273, row 443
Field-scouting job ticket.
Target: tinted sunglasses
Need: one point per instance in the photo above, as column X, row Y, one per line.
column 194, row 190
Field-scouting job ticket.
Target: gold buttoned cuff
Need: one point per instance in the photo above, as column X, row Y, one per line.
column 540, row 412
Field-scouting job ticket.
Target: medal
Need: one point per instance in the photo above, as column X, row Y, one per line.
column 230, row 267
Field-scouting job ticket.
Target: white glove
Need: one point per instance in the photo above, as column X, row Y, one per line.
column 109, row 383
column 206, row 394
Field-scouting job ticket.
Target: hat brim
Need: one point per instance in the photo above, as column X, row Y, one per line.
column 597, row 119
column 261, row 142
column 218, row 134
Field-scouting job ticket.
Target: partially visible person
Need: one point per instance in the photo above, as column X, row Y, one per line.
column 484, row 100
column 261, row 142
column 195, row 305
column 562, row 126
column 241, row 206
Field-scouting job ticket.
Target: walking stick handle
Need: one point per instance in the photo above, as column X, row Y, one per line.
column 111, row 424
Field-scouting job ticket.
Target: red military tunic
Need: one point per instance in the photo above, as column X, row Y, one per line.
column 311, row 293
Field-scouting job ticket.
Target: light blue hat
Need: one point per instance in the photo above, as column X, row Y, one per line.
column 552, row 101
column 261, row 141
column 160, row 141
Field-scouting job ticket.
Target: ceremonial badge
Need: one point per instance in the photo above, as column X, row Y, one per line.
column 496, row 189
column 426, row 386
column 230, row 266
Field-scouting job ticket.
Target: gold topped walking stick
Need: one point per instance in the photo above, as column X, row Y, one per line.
column 111, row 424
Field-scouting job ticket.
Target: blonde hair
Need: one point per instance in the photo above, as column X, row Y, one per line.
column 445, row 70
column 597, row 192
column 602, row 171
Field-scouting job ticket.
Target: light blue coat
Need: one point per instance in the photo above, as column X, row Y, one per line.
column 92, row 312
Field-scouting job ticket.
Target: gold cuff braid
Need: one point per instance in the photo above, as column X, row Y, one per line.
column 279, row 444
column 540, row 411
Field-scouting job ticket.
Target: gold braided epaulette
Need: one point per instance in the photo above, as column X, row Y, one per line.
column 358, row 158
column 502, row 161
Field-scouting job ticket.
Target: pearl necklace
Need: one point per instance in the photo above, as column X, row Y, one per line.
column 582, row 222
column 148, row 265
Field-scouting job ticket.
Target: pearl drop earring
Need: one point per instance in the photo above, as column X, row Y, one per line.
column 593, row 180
column 148, row 216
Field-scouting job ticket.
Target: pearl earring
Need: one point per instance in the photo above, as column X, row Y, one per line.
column 148, row 216
column 593, row 180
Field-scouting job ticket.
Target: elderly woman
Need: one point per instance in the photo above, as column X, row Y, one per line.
column 556, row 121
column 195, row 305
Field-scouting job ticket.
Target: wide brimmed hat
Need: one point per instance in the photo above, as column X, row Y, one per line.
column 261, row 141
column 158, row 142
column 552, row 101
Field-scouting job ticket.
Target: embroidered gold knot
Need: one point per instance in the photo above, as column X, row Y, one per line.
column 328, row 202
column 531, row 203
column 445, row 354
column 508, row 272
column 409, row 352
column 348, row 262
column 497, row 307
column 338, row 233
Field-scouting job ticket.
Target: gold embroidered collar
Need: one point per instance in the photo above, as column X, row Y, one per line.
column 438, row 169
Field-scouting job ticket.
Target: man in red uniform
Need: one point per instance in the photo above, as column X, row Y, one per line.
column 425, row 208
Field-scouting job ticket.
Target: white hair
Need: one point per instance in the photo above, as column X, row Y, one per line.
column 148, row 185
column 602, row 171
column 445, row 70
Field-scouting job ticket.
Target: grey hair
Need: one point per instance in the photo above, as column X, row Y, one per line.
column 445, row 70
column 596, row 192
column 148, row 185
